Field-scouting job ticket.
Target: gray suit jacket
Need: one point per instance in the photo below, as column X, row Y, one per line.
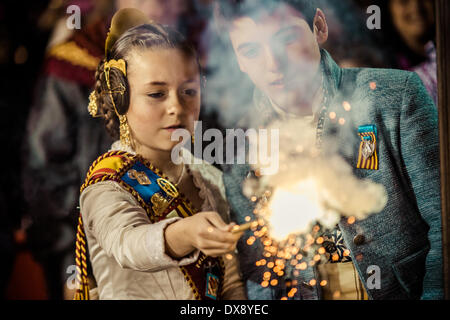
column 404, row 239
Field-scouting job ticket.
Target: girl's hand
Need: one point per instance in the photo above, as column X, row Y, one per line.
column 205, row 231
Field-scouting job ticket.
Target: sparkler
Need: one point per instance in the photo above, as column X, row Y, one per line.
column 296, row 208
column 293, row 209
column 282, row 217
column 243, row 227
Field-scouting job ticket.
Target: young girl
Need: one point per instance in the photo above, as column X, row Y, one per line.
column 146, row 239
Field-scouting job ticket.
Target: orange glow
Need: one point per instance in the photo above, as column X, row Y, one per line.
column 267, row 275
column 323, row 283
column 265, row 283
column 312, row 282
column 351, row 220
column 310, row 239
column 319, row 240
column 341, row 121
column 285, row 217
column 321, row 250
column 274, row 282
column 270, row 265
column 332, row 115
column 347, row 106
column 299, row 148
column 373, row 85
column 292, row 292
column 302, row 266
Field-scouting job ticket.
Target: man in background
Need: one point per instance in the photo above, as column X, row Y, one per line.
column 278, row 46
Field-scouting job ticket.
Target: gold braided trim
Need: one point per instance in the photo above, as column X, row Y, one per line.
column 116, row 177
column 82, row 292
column 73, row 53
column 86, row 183
column 191, row 283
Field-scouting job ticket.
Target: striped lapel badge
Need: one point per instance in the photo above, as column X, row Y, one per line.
column 367, row 155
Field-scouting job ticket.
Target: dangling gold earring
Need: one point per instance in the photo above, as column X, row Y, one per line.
column 192, row 139
column 124, row 129
column 125, row 138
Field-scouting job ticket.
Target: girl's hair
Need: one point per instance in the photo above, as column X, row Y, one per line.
column 144, row 36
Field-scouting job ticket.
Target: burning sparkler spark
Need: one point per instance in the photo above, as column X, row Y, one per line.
column 307, row 197
column 245, row 226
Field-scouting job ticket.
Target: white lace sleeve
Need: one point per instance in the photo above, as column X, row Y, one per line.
column 122, row 228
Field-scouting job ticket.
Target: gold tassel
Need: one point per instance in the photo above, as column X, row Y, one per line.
column 82, row 292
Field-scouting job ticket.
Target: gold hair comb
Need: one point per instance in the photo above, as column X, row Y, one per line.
column 118, row 64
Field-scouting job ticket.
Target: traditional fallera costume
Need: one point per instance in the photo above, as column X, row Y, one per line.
column 126, row 204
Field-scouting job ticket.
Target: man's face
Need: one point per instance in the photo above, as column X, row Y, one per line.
column 279, row 52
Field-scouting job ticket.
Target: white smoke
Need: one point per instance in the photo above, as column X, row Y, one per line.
column 311, row 186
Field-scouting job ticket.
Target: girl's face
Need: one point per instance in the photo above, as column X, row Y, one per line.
column 164, row 96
